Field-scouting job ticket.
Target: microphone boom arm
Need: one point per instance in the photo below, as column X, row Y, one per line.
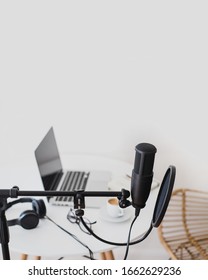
column 79, row 204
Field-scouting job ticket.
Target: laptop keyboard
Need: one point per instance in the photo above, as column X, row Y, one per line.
column 73, row 181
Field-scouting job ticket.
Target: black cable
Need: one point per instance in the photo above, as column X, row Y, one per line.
column 129, row 237
column 143, row 236
column 73, row 236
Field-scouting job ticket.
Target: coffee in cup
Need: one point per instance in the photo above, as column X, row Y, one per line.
column 113, row 208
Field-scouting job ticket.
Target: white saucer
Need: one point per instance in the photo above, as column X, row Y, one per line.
column 104, row 216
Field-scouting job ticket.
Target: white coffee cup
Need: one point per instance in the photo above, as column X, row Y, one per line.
column 113, row 208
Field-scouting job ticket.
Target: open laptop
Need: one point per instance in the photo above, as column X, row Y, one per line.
column 55, row 178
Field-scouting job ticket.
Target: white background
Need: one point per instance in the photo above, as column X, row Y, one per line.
column 107, row 75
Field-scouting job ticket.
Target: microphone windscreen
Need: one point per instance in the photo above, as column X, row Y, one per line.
column 144, row 158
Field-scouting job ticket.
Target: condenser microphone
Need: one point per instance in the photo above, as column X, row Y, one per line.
column 142, row 175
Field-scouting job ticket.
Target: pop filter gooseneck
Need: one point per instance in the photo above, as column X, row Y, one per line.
column 164, row 196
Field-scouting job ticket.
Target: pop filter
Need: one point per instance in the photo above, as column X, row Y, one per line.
column 164, row 195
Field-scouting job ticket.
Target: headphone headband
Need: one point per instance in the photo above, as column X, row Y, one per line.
column 20, row 200
column 30, row 218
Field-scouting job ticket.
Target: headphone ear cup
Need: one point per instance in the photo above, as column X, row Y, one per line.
column 39, row 207
column 28, row 219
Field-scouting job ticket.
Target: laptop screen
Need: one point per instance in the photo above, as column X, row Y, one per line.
column 48, row 161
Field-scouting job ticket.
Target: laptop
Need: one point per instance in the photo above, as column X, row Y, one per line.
column 55, row 178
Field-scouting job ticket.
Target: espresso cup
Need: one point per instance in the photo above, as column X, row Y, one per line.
column 113, row 208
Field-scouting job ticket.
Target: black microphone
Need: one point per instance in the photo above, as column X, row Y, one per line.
column 142, row 175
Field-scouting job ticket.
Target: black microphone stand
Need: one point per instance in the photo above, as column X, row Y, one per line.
column 79, row 204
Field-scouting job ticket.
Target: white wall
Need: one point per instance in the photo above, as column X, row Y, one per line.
column 107, row 75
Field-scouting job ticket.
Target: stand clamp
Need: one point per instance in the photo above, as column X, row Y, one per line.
column 79, row 203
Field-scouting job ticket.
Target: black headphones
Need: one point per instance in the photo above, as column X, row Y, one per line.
column 28, row 219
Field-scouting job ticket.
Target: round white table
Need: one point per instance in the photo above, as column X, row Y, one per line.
column 47, row 239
